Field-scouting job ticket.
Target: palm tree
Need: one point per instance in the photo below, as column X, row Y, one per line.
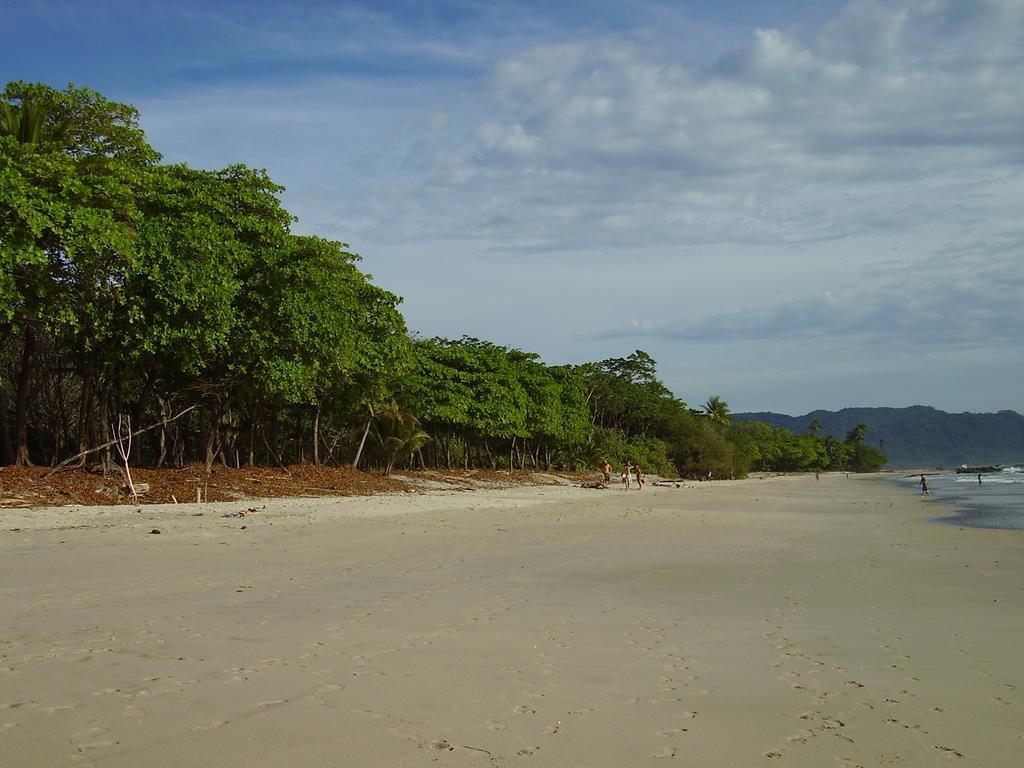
column 400, row 435
column 717, row 411
column 30, row 123
column 856, row 435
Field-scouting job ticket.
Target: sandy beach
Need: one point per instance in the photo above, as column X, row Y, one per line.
column 783, row 621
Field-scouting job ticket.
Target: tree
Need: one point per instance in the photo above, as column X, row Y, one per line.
column 856, row 435
column 71, row 163
column 30, row 122
column 717, row 411
column 400, row 435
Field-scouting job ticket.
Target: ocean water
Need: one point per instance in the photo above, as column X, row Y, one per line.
column 996, row 502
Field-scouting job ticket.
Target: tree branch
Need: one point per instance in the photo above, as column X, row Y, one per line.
column 109, row 443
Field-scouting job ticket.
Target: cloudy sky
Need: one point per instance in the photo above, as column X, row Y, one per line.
column 794, row 204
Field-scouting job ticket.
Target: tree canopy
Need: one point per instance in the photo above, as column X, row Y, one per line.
column 129, row 286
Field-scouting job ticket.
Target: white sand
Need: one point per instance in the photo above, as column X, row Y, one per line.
column 763, row 622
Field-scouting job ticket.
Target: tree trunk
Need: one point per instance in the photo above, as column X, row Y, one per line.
column 178, row 448
column 316, row 435
column 162, row 437
column 362, row 441
column 211, row 452
column 334, row 444
column 61, row 430
column 85, row 410
column 140, row 411
column 104, row 426
column 6, row 449
column 162, row 446
column 213, row 440
column 252, row 434
column 275, row 438
column 21, row 457
column 227, row 435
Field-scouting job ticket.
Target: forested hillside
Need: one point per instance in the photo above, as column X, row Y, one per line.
column 156, row 314
column 920, row 436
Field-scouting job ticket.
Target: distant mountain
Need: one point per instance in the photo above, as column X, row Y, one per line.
column 919, row 436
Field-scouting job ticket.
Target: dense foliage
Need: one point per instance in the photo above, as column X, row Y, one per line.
column 180, row 300
column 921, row 436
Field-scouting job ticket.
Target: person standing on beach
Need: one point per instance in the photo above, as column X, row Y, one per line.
column 627, row 474
column 606, row 470
column 924, row 486
column 639, row 477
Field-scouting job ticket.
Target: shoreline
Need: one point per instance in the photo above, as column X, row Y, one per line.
column 781, row 621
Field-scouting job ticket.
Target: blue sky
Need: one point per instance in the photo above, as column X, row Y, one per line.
column 793, row 204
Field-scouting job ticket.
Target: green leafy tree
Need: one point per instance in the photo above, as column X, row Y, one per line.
column 71, row 165
column 866, row 459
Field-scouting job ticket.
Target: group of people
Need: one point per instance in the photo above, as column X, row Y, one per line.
column 631, row 475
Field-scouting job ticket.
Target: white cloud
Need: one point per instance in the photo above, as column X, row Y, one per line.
column 856, row 182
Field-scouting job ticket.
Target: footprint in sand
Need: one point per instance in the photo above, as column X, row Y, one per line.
column 686, row 715
column 17, row 705
column 522, row 709
column 211, row 726
column 496, row 725
column 271, row 703
column 371, row 713
column 90, row 738
column 664, row 752
column 94, row 745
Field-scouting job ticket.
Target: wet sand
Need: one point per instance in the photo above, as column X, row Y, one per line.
column 763, row 622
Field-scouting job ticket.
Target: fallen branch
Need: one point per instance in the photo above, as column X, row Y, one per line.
column 122, row 435
column 109, row 443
